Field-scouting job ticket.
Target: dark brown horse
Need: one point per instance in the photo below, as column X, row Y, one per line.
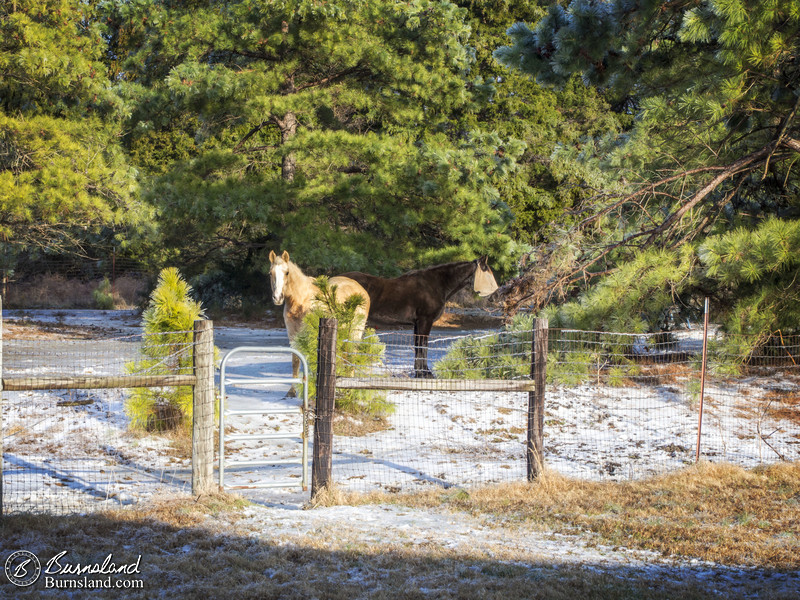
column 418, row 297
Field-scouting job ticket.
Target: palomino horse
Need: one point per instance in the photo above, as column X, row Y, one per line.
column 418, row 297
column 296, row 292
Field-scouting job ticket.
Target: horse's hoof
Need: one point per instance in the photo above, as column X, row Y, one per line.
column 292, row 393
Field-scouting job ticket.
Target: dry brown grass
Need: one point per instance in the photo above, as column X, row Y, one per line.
column 57, row 291
column 783, row 405
column 713, row 512
column 205, row 547
column 182, row 511
column 195, row 549
column 359, row 425
column 653, row 373
column 332, row 495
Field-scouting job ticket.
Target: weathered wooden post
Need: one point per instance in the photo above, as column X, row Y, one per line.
column 203, row 408
column 535, row 445
column 323, row 413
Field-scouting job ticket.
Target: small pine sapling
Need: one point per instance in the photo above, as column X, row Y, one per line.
column 352, row 355
column 167, row 323
column 103, row 295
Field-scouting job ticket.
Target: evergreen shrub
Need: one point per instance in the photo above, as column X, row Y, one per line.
column 351, row 355
column 486, row 357
column 619, row 375
column 502, row 355
column 102, row 295
column 167, row 349
column 507, row 355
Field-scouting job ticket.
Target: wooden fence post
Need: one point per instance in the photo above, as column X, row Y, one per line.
column 323, row 413
column 535, row 445
column 203, row 408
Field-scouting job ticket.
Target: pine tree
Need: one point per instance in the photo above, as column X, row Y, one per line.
column 334, row 118
column 62, row 170
column 761, row 264
column 521, row 111
column 167, row 325
column 715, row 89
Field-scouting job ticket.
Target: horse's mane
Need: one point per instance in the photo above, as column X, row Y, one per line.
column 442, row 267
column 296, row 280
column 295, row 270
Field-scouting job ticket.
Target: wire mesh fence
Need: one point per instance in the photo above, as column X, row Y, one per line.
column 438, row 438
column 628, row 405
column 41, row 280
column 467, row 426
column 617, row 406
column 71, row 449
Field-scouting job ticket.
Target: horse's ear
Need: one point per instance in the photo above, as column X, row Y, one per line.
column 285, row 256
column 483, row 261
column 272, row 256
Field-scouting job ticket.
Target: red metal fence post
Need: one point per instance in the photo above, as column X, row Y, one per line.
column 702, row 380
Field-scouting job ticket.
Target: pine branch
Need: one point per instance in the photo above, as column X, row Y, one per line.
column 251, row 133
column 255, row 55
column 258, row 148
column 709, row 218
column 782, row 133
column 355, row 70
column 532, row 288
column 650, row 188
column 746, row 163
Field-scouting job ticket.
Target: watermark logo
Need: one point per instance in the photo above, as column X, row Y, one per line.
column 23, row 568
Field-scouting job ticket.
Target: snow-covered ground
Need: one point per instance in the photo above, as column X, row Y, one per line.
column 67, row 447
column 597, row 430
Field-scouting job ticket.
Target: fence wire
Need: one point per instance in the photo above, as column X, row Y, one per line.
column 77, row 450
column 434, row 438
column 617, row 406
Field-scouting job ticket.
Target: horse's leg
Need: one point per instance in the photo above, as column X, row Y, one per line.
column 292, row 393
column 422, row 330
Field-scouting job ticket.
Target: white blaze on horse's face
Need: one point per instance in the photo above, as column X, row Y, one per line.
column 277, row 275
column 278, row 272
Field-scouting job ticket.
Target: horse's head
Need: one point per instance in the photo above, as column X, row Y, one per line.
column 484, row 283
column 278, row 271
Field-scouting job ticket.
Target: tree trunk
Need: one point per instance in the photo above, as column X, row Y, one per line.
column 288, row 127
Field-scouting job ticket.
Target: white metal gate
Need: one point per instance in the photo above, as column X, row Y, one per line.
column 259, row 382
